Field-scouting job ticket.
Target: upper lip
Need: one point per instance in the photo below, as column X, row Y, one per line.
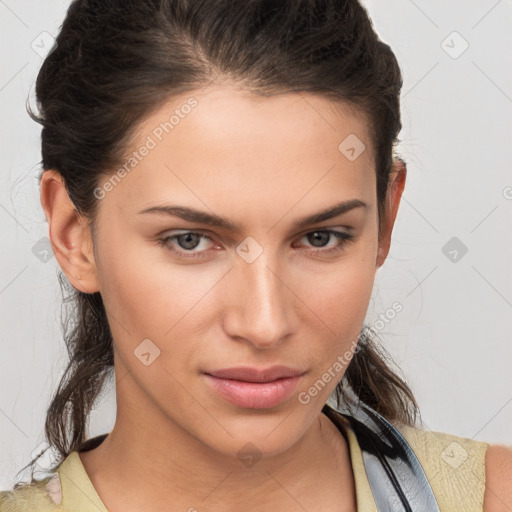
column 248, row 374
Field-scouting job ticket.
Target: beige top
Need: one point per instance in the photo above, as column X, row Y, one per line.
column 455, row 468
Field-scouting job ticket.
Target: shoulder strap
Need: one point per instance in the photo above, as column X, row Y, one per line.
column 396, row 477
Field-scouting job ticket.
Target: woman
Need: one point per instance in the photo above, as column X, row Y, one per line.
column 220, row 187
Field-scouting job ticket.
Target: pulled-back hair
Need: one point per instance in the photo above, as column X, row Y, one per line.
column 118, row 61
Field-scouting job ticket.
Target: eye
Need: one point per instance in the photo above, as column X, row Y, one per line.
column 320, row 236
column 189, row 241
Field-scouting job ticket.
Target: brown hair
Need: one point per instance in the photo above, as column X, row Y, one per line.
column 117, row 61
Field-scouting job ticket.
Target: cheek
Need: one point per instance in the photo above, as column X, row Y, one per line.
column 146, row 299
column 336, row 302
column 148, row 296
column 340, row 293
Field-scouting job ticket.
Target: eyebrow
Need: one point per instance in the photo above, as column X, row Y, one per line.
column 211, row 219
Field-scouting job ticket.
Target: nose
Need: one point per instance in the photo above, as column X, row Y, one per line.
column 261, row 304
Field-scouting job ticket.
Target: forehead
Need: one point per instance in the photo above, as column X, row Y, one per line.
column 230, row 142
column 229, row 115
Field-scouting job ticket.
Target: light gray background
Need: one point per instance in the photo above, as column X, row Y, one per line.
column 453, row 337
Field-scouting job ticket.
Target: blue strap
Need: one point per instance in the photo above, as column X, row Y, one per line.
column 396, row 477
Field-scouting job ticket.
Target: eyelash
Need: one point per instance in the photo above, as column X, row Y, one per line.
column 344, row 239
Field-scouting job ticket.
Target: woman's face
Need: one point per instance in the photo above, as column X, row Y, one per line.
column 258, row 288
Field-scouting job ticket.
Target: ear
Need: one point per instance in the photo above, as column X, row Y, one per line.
column 393, row 195
column 69, row 233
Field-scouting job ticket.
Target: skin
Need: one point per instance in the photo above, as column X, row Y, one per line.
column 262, row 163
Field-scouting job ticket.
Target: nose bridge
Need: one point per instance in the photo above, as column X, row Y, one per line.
column 264, row 307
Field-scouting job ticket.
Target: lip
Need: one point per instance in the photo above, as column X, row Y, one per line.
column 250, row 374
column 253, row 388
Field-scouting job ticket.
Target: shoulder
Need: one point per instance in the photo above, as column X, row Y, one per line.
column 498, row 485
column 444, row 449
column 455, row 466
column 33, row 497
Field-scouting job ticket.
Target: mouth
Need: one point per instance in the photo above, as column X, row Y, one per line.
column 254, row 388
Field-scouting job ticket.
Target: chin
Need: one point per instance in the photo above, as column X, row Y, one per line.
column 257, row 435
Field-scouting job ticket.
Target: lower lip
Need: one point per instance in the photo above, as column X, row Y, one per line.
column 254, row 395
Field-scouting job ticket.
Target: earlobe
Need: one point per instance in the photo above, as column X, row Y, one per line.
column 69, row 233
column 394, row 192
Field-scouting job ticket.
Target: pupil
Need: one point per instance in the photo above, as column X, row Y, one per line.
column 317, row 236
column 187, row 240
